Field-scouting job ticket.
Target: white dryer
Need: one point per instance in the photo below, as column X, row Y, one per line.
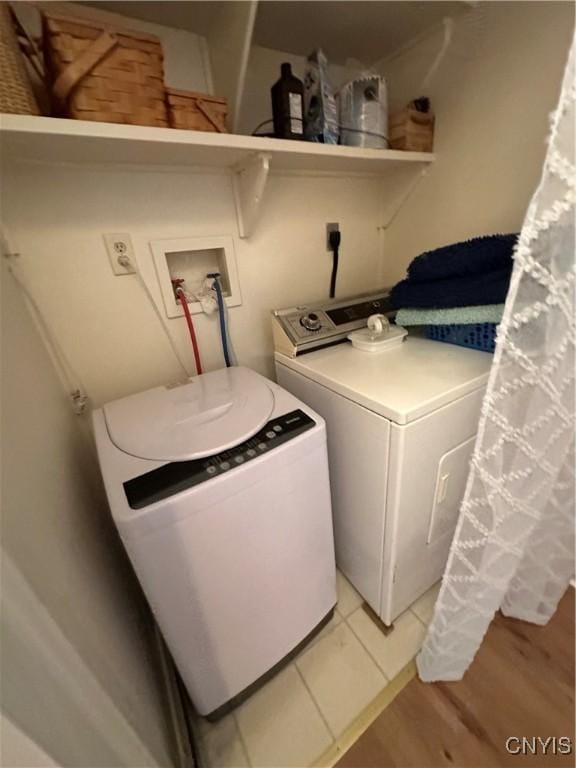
column 401, row 427
column 219, row 489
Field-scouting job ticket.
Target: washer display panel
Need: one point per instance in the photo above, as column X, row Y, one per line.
column 178, row 476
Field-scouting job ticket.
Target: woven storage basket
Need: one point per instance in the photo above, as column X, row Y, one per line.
column 16, row 95
column 412, row 130
column 196, row 111
column 103, row 73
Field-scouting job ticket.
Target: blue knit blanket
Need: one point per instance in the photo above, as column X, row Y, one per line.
column 470, row 273
column 463, row 291
column 489, row 253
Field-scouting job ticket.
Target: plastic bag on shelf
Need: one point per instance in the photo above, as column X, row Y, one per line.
column 320, row 110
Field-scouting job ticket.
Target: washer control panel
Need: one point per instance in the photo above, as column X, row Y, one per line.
column 312, row 326
column 179, row 475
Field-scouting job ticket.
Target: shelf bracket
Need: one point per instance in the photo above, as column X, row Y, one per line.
column 249, row 181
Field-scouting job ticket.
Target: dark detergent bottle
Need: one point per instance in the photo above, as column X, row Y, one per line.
column 287, row 105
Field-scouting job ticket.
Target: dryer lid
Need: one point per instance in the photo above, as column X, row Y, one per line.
column 203, row 417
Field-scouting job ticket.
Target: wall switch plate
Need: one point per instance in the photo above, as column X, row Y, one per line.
column 119, row 247
column 334, row 227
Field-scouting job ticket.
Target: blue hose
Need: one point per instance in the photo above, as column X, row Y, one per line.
column 222, row 317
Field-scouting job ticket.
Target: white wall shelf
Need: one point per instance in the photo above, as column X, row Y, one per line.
column 53, row 139
column 25, row 137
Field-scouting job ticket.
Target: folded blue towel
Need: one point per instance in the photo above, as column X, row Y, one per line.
column 464, row 291
column 483, row 313
column 489, row 253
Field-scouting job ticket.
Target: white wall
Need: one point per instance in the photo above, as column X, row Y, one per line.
column 492, row 95
column 78, row 672
column 56, row 217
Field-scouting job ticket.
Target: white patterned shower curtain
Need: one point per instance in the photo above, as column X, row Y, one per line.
column 514, row 543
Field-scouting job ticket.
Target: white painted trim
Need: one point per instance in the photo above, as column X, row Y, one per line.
column 27, row 619
column 19, row 750
column 205, row 56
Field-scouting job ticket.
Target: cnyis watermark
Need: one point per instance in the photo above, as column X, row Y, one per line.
column 539, row 745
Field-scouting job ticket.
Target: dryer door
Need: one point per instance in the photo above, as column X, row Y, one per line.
column 428, row 472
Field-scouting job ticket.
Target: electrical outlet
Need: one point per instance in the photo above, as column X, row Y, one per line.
column 119, row 247
column 335, row 227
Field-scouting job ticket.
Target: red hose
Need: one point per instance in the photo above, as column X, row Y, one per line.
column 182, row 297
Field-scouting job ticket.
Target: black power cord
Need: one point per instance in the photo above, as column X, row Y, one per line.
column 334, row 245
column 340, row 127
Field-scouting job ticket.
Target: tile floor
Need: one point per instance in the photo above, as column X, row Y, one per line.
column 299, row 714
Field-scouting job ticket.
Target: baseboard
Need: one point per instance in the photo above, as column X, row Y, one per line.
column 351, row 735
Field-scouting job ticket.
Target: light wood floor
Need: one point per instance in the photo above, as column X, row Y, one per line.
column 520, row 684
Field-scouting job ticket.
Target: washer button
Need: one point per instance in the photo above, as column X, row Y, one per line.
column 262, row 446
column 270, row 434
column 211, row 470
column 251, row 452
column 239, row 459
column 277, row 428
column 224, row 466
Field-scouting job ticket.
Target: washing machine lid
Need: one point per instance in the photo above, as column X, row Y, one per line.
column 205, row 416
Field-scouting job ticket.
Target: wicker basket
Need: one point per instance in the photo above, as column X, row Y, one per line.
column 16, row 95
column 196, row 111
column 103, row 73
column 412, row 130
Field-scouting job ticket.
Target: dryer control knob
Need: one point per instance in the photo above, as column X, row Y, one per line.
column 311, row 322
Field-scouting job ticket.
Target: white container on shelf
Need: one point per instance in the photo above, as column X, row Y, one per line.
column 364, row 113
